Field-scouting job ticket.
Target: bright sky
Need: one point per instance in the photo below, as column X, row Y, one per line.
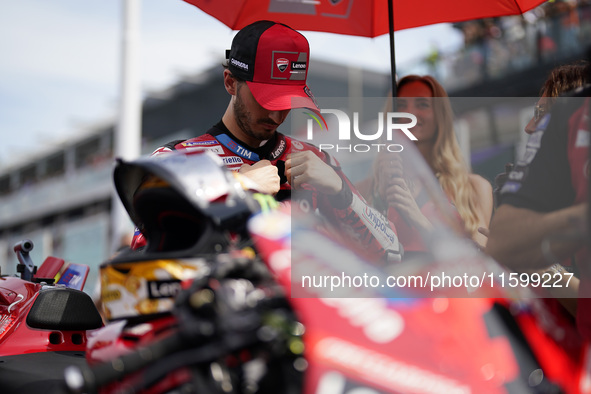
column 60, row 61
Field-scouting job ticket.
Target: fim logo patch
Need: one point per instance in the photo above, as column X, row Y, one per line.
column 282, row 64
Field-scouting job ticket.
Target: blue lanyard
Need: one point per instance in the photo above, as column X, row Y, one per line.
column 238, row 149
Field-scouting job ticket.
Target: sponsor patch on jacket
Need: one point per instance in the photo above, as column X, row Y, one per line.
column 511, row 187
column 199, row 143
column 238, row 149
column 535, row 140
column 229, row 160
column 279, row 148
column 297, row 144
column 215, row 149
column 517, row 175
column 528, row 156
column 543, row 123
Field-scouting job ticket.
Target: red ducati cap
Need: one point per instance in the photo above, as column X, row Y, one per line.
column 273, row 60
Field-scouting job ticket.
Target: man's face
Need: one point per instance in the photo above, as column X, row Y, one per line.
column 255, row 122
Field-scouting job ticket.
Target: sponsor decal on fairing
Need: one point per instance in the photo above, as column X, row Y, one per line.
column 384, row 369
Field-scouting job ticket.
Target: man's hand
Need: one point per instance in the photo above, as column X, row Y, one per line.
column 264, row 174
column 306, row 167
column 517, row 236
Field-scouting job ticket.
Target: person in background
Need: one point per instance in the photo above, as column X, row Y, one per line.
column 561, row 79
column 387, row 188
column 543, row 204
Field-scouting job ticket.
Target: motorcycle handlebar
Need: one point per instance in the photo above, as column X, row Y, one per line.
column 88, row 379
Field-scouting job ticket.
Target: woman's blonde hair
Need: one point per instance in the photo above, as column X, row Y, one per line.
column 448, row 163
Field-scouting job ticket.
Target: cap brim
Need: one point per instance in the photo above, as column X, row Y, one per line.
column 274, row 97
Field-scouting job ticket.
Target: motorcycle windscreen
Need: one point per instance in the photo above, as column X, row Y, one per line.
column 199, row 177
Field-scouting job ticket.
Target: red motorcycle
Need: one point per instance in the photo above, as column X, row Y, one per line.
column 232, row 314
column 44, row 322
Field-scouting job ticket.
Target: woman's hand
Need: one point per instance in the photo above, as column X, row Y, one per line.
column 386, row 167
column 400, row 197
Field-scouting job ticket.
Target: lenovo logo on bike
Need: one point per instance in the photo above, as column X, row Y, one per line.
column 401, row 121
column 163, row 288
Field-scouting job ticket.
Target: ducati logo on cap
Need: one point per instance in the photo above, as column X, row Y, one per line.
column 282, row 64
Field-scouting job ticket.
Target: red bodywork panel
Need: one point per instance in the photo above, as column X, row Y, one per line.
column 16, row 337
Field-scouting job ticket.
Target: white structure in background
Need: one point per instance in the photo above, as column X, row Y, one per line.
column 129, row 130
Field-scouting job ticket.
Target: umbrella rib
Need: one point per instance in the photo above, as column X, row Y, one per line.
column 518, row 6
column 238, row 16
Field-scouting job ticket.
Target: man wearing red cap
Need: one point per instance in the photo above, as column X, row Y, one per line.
column 265, row 75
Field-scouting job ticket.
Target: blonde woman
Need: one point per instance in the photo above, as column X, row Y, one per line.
column 471, row 194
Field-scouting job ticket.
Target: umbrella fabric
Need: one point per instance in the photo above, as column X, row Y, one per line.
column 364, row 18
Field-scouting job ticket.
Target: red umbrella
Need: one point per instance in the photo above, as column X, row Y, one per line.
column 367, row 18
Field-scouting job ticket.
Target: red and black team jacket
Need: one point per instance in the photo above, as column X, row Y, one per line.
column 371, row 231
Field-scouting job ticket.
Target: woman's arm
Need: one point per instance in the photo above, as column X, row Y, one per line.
column 484, row 205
